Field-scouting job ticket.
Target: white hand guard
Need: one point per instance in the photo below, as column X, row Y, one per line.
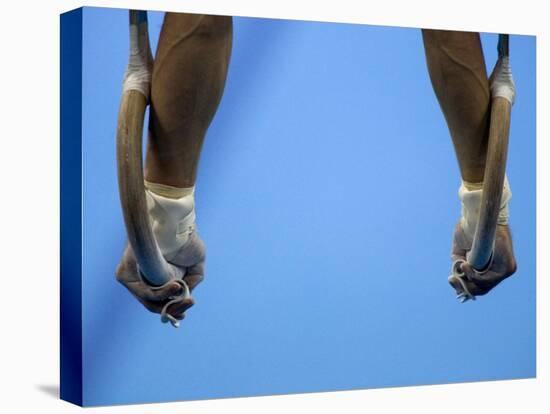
column 173, row 223
column 470, row 196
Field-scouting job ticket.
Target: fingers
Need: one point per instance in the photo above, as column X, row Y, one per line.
column 465, row 284
column 152, row 298
column 154, row 307
column 487, row 280
column 474, row 283
column 129, row 275
column 155, row 294
column 169, row 299
column 477, row 283
column 465, row 289
column 178, row 308
column 179, row 305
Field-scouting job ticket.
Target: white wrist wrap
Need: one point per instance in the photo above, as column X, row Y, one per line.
column 502, row 82
column 140, row 64
column 470, row 196
column 172, row 219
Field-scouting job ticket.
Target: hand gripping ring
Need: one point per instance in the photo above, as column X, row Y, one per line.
column 459, row 275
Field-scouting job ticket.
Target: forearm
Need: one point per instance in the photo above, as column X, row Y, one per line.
column 457, row 71
column 188, row 80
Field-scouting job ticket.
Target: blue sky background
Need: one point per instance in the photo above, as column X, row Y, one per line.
column 327, row 197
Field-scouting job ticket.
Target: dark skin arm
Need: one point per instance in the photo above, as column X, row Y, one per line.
column 188, row 79
column 457, row 71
